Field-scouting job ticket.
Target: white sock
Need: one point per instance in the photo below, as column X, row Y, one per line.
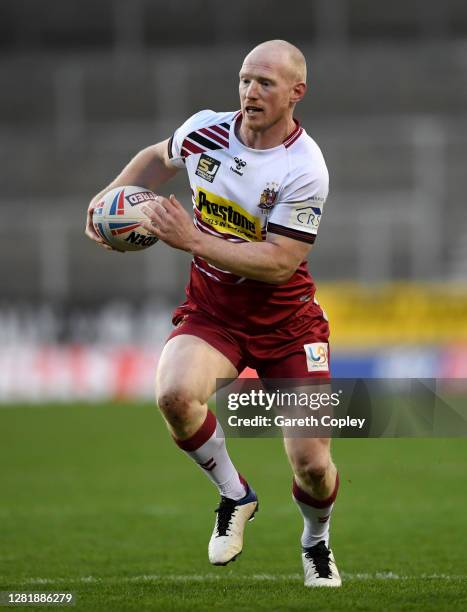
column 316, row 515
column 207, row 447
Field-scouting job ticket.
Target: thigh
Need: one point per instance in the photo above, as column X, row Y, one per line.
column 227, row 342
column 190, row 365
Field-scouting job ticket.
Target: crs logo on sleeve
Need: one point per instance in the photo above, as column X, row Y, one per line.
column 308, row 216
column 207, row 167
column 317, row 357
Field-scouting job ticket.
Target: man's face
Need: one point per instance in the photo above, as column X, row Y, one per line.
column 265, row 91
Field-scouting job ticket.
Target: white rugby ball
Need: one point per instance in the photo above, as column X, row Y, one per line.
column 117, row 218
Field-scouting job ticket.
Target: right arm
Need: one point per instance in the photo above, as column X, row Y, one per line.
column 150, row 168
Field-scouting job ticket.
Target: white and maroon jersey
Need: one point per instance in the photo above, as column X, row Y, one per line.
column 242, row 194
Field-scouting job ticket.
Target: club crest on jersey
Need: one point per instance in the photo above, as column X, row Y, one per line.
column 268, row 196
column 239, row 166
column 207, row 167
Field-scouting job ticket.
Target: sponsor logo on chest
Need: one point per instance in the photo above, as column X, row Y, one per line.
column 226, row 216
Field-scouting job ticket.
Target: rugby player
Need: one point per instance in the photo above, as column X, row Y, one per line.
column 259, row 183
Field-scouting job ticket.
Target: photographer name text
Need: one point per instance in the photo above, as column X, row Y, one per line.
column 283, row 421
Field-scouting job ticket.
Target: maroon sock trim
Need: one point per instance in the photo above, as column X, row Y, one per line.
column 303, row 497
column 244, row 483
column 201, row 436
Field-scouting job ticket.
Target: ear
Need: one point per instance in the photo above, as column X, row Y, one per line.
column 298, row 92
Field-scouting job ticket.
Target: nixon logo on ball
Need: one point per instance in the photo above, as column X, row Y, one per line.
column 135, row 238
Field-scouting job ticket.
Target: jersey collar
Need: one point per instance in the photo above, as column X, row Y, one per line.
column 287, row 142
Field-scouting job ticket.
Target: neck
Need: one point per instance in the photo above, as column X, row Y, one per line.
column 271, row 137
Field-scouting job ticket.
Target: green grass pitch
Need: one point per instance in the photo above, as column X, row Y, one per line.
column 98, row 500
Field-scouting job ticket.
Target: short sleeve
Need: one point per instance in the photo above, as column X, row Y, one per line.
column 298, row 210
column 176, row 141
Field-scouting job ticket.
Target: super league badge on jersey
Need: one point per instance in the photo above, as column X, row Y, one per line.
column 207, row 167
column 268, row 197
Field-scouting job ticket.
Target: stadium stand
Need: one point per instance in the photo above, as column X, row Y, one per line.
column 88, row 84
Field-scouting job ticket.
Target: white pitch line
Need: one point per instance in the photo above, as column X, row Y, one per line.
column 382, row 576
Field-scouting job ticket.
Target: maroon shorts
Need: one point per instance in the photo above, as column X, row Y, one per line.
column 296, row 349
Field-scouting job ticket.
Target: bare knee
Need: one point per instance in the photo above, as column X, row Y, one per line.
column 312, row 470
column 178, row 406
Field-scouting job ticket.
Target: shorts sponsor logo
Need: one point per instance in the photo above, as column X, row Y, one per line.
column 207, row 167
column 140, row 196
column 317, row 357
column 227, row 217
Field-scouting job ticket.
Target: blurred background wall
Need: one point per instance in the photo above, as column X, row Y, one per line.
column 87, row 84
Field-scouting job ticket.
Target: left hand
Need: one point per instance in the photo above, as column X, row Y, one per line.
column 169, row 221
